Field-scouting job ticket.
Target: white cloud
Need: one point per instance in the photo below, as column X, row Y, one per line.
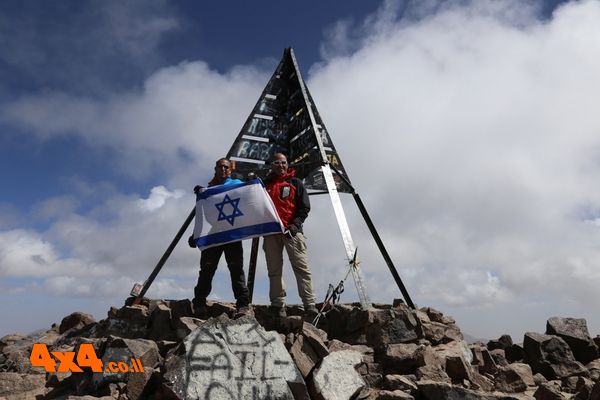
column 158, row 196
column 485, row 150
column 94, row 47
column 55, row 207
column 185, row 109
column 25, row 253
column 470, row 133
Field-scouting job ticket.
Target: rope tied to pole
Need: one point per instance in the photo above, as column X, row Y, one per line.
column 333, row 294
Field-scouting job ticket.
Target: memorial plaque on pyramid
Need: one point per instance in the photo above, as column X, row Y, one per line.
column 286, row 120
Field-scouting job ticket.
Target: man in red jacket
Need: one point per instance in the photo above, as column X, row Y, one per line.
column 292, row 204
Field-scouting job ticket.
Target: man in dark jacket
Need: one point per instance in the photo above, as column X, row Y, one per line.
column 209, row 260
column 292, row 204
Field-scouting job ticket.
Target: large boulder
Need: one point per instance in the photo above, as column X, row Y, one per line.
column 514, row 353
column 308, row 348
column 574, row 331
column 482, row 359
column 120, row 350
column 391, row 327
column 551, row 356
column 180, row 308
column 14, row 356
column 336, row 377
column 436, row 332
column 160, row 325
column 137, row 386
column 303, row 355
column 129, row 322
column 514, row 378
column 76, row 320
column 437, row 316
column 433, row 373
column 222, row 351
column 548, row 391
column 457, row 359
column 405, row 358
column 503, row 342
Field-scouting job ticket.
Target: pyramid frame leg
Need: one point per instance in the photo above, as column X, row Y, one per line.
column 252, row 267
column 383, row 250
column 165, row 257
column 349, row 246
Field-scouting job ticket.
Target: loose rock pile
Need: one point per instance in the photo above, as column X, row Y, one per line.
column 388, row 352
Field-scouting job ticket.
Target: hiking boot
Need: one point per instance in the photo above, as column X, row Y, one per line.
column 244, row 311
column 278, row 312
column 310, row 312
column 200, row 309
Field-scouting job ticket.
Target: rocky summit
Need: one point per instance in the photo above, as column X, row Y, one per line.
column 388, row 352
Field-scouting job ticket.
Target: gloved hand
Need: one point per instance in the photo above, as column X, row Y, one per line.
column 293, row 230
column 192, row 242
column 197, row 189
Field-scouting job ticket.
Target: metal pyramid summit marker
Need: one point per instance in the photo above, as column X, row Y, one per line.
column 285, row 120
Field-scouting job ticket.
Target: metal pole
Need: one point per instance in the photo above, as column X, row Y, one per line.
column 346, row 236
column 165, row 256
column 384, row 252
column 332, row 189
column 252, row 267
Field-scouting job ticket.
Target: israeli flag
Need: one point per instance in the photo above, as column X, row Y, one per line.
column 228, row 213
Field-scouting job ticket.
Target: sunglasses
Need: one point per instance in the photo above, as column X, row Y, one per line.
column 279, row 162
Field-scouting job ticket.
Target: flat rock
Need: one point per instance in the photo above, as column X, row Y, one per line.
column 513, row 378
column 336, row 377
column 223, row 351
column 399, row 382
column 433, row 373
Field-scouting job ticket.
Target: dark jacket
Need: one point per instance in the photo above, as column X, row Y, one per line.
column 290, row 198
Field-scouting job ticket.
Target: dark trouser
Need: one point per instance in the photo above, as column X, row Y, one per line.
column 209, row 260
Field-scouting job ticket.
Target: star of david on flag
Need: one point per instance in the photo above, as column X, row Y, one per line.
column 228, row 213
column 235, row 213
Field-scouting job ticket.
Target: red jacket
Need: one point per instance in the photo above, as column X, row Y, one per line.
column 290, row 198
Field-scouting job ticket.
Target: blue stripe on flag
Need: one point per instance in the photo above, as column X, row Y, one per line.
column 237, row 234
column 211, row 191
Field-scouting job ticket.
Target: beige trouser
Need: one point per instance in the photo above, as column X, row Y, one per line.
column 296, row 249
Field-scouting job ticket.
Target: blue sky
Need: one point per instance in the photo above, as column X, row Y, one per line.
column 468, row 128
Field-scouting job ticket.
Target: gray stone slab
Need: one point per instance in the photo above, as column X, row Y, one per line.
column 234, row 359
